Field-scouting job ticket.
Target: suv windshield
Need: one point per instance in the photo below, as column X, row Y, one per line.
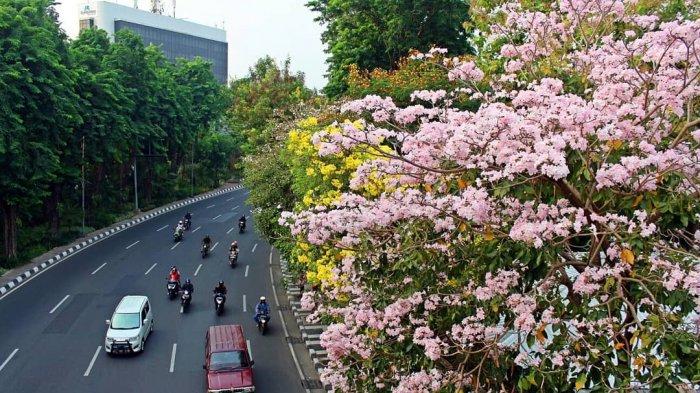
column 125, row 321
column 227, row 360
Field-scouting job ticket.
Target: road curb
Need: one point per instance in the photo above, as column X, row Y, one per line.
column 106, row 233
column 310, row 333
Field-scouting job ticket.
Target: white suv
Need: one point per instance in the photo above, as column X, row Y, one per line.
column 130, row 326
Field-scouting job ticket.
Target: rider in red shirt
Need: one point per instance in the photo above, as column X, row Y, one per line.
column 174, row 275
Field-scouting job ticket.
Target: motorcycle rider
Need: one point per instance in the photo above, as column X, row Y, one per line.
column 261, row 309
column 234, row 247
column 188, row 217
column 220, row 289
column 180, row 227
column 188, row 286
column 242, row 220
column 174, row 276
column 206, row 241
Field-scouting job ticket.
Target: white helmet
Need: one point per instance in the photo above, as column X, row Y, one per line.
column 262, row 298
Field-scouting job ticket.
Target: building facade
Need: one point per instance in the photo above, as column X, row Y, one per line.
column 177, row 38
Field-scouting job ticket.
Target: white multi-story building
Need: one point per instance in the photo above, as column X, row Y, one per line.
column 177, row 38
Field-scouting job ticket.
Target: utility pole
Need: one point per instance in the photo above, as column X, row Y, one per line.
column 136, row 186
column 82, row 181
column 136, row 181
column 192, row 172
column 174, row 4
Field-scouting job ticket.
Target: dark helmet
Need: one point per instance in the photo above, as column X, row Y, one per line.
column 188, row 281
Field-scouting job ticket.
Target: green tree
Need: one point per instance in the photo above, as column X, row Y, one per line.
column 36, row 107
column 378, row 33
column 267, row 96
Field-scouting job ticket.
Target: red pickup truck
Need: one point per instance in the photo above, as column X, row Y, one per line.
column 228, row 364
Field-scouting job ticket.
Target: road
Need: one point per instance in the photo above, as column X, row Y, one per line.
column 52, row 328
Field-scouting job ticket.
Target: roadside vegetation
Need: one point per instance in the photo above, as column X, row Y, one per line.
column 522, row 219
column 92, row 109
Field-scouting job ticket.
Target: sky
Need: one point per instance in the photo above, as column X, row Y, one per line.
column 254, row 28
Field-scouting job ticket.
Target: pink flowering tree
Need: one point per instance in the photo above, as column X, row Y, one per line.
column 546, row 241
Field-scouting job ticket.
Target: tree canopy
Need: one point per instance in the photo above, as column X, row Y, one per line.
column 378, row 33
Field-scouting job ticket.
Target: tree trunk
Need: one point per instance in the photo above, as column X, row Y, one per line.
column 52, row 210
column 9, row 235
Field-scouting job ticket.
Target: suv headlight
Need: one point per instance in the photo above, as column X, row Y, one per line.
column 130, row 339
column 110, row 340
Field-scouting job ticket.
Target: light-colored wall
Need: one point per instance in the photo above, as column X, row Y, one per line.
column 105, row 13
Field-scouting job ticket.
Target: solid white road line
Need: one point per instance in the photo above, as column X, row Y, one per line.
column 161, row 228
column 210, row 206
column 229, row 231
column 216, row 217
column 214, row 246
column 150, row 268
column 92, row 362
column 133, row 244
column 8, row 359
column 284, row 325
column 176, row 244
column 59, row 303
column 254, row 247
column 98, row 269
column 274, row 292
column 246, row 270
column 250, row 352
column 245, row 306
column 196, row 229
column 235, row 207
column 197, row 271
column 172, row 358
column 230, row 199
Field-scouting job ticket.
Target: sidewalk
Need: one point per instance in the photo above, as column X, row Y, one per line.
column 297, row 338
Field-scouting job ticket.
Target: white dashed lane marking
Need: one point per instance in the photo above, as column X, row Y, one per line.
column 197, row 271
column 214, row 246
column 229, row 231
column 161, row 228
column 210, row 206
column 98, row 269
column 133, row 244
column 92, row 362
column 172, row 358
column 196, row 229
column 254, row 247
column 9, row 358
column 176, row 244
column 245, row 306
column 246, row 270
column 216, row 217
column 59, row 304
column 150, row 268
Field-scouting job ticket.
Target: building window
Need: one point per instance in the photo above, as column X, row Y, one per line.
column 87, row 23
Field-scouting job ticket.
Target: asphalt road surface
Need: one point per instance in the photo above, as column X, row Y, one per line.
column 52, row 328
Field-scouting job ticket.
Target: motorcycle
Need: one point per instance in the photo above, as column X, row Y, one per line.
column 233, row 258
column 177, row 236
column 219, row 299
column 185, row 300
column 262, row 323
column 188, row 224
column 173, row 289
column 241, row 226
column 205, row 250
